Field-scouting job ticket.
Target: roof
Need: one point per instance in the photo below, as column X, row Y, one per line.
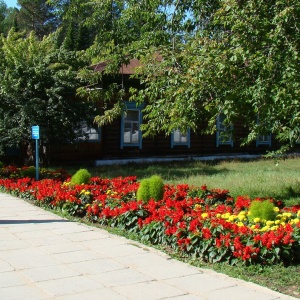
column 128, row 69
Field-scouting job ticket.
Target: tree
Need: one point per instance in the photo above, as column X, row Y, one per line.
column 37, row 87
column 37, row 16
column 241, row 58
column 250, row 68
column 3, row 11
column 136, row 29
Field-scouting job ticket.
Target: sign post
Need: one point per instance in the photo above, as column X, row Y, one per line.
column 35, row 134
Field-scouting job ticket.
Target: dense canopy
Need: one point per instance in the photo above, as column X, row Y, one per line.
column 237, row 57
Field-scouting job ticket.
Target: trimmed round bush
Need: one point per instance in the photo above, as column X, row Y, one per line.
column 263, row 210
column 156, row 187
column 29, row 172
column 82, row 176
column 143, row 192
column 150, row 188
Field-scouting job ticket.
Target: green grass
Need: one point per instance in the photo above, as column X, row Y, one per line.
column 256, row 178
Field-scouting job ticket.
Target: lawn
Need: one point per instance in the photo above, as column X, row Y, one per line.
column 279, row 179
column 260, row 178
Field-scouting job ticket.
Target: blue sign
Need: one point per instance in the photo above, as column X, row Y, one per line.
column 35, row 132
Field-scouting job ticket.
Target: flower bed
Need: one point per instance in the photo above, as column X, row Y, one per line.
column 197, row 222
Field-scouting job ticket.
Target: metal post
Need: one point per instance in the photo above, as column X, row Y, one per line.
column 37, row 159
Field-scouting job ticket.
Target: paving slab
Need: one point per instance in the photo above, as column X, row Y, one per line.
column 44, row 256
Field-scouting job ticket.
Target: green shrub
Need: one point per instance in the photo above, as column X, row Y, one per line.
column 156, row 187
column 82, row 176
column 29, row 172
column 152, row 187
column 1, row 165
column 263, row 210
column 143, row 192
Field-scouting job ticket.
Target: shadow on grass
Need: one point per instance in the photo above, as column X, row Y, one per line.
column 167, row 170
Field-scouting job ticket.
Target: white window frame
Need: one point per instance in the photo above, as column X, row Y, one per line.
column 130, row 106
column 220, row 129
column 89, row 134
column 180, row 139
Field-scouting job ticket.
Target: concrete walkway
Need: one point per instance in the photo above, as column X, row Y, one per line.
column 43, row 256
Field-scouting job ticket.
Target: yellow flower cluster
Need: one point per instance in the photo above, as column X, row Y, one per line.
column 111, row 193
column 281, row 219
column 241, row 219
column 85, row 192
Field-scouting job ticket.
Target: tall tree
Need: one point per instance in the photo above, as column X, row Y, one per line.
column 73, row 30
column 135, row 29
column 37, row 87
column 38, row 16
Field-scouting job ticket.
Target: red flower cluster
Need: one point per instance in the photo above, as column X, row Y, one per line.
column 192, row 220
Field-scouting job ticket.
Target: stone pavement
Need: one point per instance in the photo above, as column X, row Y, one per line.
column 43, row 256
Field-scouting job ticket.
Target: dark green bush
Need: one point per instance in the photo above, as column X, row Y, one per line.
column 82, row 176
column 151, row 188
column 263, row 210
column 28, row 172
column 1, row 165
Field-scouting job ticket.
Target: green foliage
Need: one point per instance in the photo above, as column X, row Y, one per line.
column 156, row 187
column 1, row 165
column 29, row 172
column 38, row 86
column 143, row 192
column 264, row 210
column 151, row 188
column 82, row 176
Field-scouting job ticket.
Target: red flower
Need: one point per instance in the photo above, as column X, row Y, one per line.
column 206, row 233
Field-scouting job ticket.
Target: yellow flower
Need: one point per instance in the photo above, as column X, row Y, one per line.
column 298, row 213
column 240, row 224
column 277, row 222
column 265, row 228
column 225, row 216
column 232, row 218
column 256, row 220
column 294, row 221
column 218, row 216
column 288, row 215
column 241, row 217
column 204, row 215
column 197, row 206
column 274, row 228
column 269, row 223
column 276, row 209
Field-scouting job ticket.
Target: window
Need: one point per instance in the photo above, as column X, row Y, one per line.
column 130, row 127
column 224, row 136
column 264, row 139
column 180, row 139
column 88, row 134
